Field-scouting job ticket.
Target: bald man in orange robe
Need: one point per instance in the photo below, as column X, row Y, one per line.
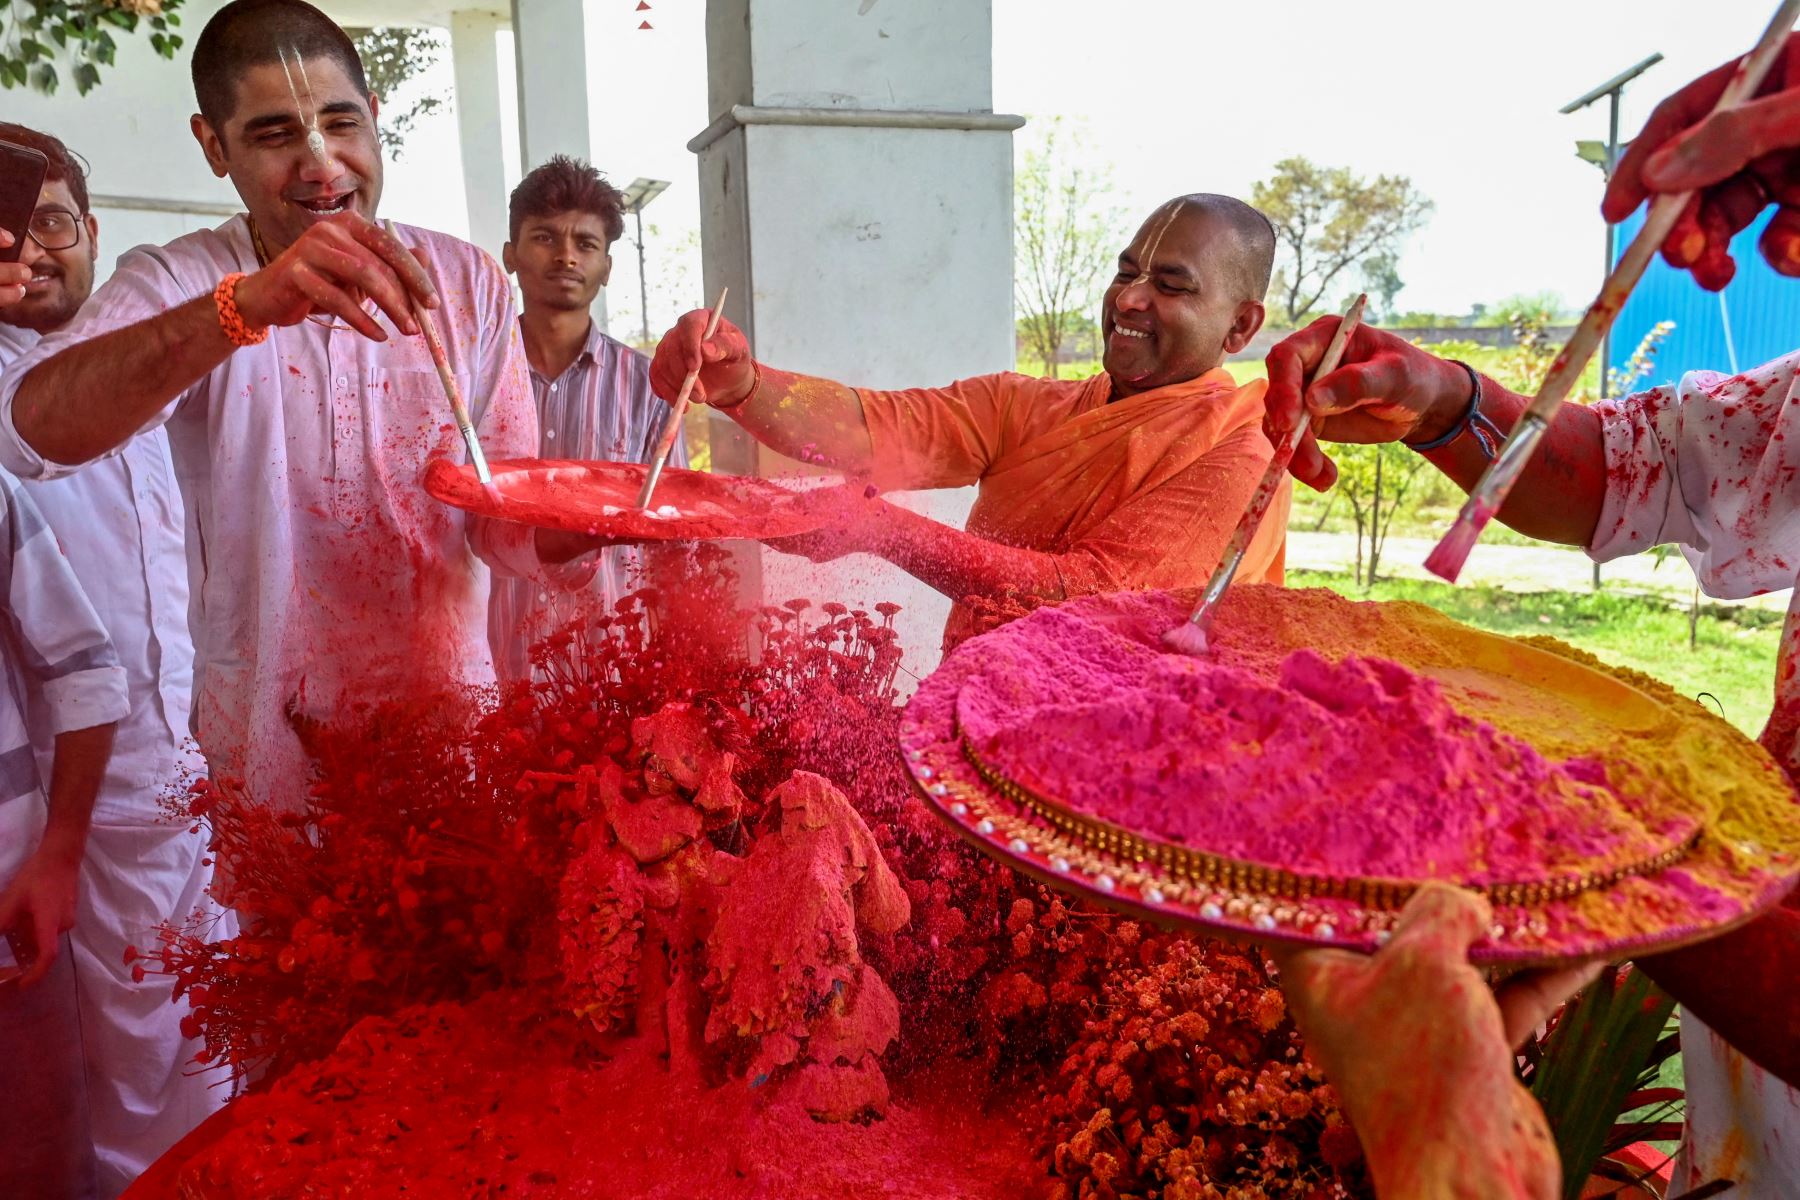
column 1132, row 479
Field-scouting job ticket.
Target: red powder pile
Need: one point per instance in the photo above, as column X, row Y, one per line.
column 669, row 924
column 1354, row 768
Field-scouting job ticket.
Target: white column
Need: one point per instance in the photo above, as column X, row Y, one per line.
column 856, row 195
column 550, row 43
column 475, row 56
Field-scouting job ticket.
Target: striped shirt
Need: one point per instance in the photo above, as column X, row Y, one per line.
column 58, row 664
column 600, row 409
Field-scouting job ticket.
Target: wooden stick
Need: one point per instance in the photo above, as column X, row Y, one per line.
column 1190, row 636
column 672, row 424
column 447, row 377
column 1447, row 559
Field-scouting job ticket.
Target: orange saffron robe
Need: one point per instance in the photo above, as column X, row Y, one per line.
column 1137, row 494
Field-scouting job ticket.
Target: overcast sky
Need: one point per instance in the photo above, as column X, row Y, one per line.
column 1188, row 95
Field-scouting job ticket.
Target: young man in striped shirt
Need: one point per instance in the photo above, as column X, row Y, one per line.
column 592, row 393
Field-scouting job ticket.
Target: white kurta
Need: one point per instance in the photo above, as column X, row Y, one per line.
column 1713, row 466
column 119, row 523
column 57, row 669
column 323, row 576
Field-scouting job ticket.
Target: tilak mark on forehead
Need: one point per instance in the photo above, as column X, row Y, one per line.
column 1146, row 267
column 315, row 139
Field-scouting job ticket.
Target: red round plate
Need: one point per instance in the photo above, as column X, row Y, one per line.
column 600, row 498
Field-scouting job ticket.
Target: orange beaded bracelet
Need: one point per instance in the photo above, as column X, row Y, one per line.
column 230, row 319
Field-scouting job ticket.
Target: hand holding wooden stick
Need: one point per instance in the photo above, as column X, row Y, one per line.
column 1189, row 637
column 1447, row 559
column 672, row 424
column 447, row 377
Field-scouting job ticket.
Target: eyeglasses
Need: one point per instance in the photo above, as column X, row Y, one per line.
column 54, row 228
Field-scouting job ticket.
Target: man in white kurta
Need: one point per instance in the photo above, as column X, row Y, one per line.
column 119, row 524
column 281, row 353
column 323, row 574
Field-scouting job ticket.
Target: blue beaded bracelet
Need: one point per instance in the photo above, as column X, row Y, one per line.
column 1474, row 422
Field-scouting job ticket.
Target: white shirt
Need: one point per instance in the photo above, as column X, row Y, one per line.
column 56, row 666
column 323, row 576
column 1712, row 464
column 119, row 523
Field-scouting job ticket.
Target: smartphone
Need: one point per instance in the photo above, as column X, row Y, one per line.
column 22, row 172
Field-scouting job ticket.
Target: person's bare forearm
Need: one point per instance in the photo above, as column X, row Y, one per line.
column 811, row 419
column 95, row 395
column 76, row 772
column 960, row 564
column 1559, row 497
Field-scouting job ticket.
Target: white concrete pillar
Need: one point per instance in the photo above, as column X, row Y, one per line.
column 475, row 55
column 550, row 45
column 856, row 195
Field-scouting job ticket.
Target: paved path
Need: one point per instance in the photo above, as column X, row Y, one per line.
column 1534, row 568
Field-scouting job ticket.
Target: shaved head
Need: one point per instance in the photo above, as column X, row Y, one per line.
column 1252, row 248
column 252, row 33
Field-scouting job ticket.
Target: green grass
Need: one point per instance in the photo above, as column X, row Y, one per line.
column 1733, row 662
column 1243, row 372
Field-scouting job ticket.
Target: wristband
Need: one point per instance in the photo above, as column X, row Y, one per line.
column 755, row 383
column 231, row 321
column 1474, row 422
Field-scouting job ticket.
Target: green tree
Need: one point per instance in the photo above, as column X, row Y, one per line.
column 392, row 57
column 1374, row 481
column 1064, row 234
column 1328, row 220
column 36, row 35
column 1381, row 279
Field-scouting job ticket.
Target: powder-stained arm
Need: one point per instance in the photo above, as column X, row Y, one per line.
column 54, row 635
column 1389, row 390
column 960, row 564
column 1171, row 535
column 95, row 394
column 800, row 416
column 1421, row 1054
column 936, row 437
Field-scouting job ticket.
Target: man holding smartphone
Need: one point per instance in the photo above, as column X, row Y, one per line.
column 120, row 526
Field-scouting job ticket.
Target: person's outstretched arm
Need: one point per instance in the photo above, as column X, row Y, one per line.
column 95, row 395
column 816, row 420
column 1737, row 162
column 1421, row 1054
column 1389, row 390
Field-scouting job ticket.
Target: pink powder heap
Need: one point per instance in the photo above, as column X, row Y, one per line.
column 1355, row 768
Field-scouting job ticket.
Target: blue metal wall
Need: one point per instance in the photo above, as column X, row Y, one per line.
column 1764, row 308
